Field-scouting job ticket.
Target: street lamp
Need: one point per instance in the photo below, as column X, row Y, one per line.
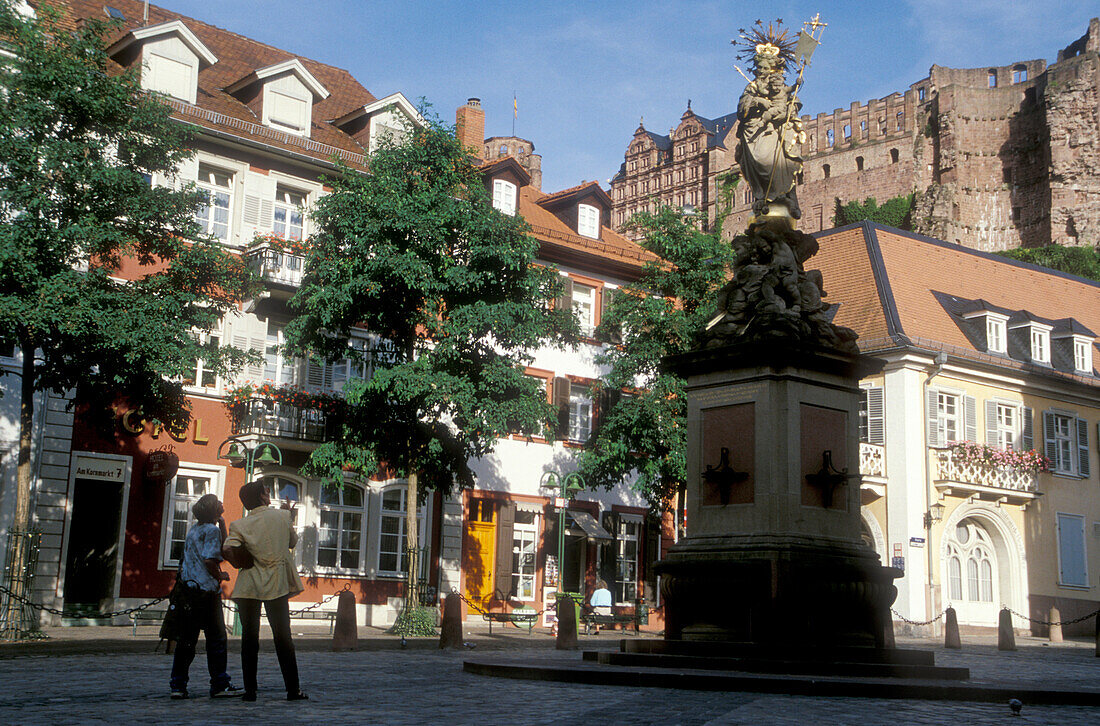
column 238, row 453
column 934, row 514
column 567, row 487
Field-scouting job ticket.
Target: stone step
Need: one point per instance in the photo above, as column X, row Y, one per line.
column 789, row 667
column 717, row 649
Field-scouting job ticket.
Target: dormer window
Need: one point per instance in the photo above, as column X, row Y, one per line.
column 588, row 221
column 287, row 111
column 170, row 56
column 1082, row 355
column 995, row 335
column 285, row 93
column 504, row 196
column 1040, row 344
column 169, row 76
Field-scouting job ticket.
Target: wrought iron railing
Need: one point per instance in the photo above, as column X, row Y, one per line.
column 274, row 265
column 872, row 460
column 950, row 468
column 282, row 420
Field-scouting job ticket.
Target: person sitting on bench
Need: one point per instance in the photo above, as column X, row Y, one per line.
column 600, row 601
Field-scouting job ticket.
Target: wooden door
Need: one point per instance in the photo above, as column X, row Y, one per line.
column 479, row 557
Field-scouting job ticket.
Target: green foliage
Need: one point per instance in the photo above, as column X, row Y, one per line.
column 78, row 143
column 1080, row 261
column 895, row 212
column 661, row 314
column 415, row 254
column 414, row 621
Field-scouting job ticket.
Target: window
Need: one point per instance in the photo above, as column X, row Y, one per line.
column 580, row 414
column 1017, row 214
column 588, row 220
column 525, row 532
column 859, row 163
column 1008, row 425
column 184, row 490
column 340, row 529
column 626, row 565
column 289, row 218
column 894, row 156
column 920, row 93
column 992, row 79
column 504, row 196
column 584, row 307
column 1066, row 443
column 900, row 120
column 847, row 131
column 213, row 217
column 947, row 418
column 201, row 375
column 1072, row 562
column 277, row 367
column 1082, row 356
column 863, row 129
column 392, row 557
column 970, row 548
column 829, row 137
column 1040, row 345
column 1019, row 74
column 825, row 170
column 872, row 422
column 995, row 334
column 169, row 76
column 287, row 112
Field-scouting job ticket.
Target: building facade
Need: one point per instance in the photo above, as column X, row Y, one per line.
column 997, row 158
column 1000, row 355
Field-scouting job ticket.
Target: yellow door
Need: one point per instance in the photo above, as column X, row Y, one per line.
column 480, row 553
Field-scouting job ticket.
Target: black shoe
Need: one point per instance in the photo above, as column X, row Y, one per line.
column 249, row 696
column 178, row 694
column 230, row 691
column 297, row 696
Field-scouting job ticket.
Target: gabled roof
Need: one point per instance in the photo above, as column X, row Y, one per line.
column 890, row 286
column 237, row 57
column 717, row 128
column 293, row 65
column 170, row 27
column 491, row 168
column 575, row 194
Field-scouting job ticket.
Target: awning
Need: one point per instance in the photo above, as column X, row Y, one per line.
column 588, row 525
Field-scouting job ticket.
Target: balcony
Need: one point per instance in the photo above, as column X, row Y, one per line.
column 276, row 266
column 872, row 468
column 991, row 483
column 287, row 424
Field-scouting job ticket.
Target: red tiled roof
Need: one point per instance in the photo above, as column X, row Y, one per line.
column 239, row 56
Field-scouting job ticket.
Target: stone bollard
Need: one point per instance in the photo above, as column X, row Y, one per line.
column 345, row 634
column 450, row 631
column 1006, row 638
column 567, row 623
column 951, row 630
column 1055, row 625
column 888, row 640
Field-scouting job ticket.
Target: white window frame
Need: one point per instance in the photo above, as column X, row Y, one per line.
column 584, row 306
column 283, row 370
column 944, row 400
column 200, row 370
column 1040, row 343
column 996, row 334
column 1065, row 460
column 285, row 203
column 1084, row 583
column 1082, row 355
column 215, row 475
column 1009, row 426
column 580, row 415
column 627, row 522
column 207, row 181
column 169, row 76
column 588, row 221
column 401, row 487
column 343, row 513
column 504, row 196
column 523, row 534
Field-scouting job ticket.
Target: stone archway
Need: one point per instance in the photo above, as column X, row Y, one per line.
column 983, row 564
column 872, row 534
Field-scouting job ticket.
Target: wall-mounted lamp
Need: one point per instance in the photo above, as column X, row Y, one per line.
column 934, row 514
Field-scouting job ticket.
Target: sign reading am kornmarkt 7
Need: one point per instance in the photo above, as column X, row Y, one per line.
column 88, row 467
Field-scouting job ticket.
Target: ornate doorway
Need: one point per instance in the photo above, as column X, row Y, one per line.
column 972, row 573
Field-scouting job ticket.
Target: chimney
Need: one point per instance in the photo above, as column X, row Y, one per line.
column 470, row 126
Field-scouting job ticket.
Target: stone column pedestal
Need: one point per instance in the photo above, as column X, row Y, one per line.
column 774, row 553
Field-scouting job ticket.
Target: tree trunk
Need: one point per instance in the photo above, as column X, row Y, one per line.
column 21, row 523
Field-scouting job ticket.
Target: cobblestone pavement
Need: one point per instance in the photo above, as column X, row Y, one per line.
column 427, row 687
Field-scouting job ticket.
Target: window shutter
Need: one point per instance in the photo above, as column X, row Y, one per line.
column 876, row 416
column 609, row 398
column 1050, row 446
column 1071, row 550
column 1027, row 429
column 970, row 404
column 258, row 209
column 186, row 173
column 505, row 534
column 991, row 427
column 561, row 400
column 614, row 335
column 1082, row 448
column 565, row 302
column 250, row 334
column 933, row 418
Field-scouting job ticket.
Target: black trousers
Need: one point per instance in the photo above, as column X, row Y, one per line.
column 278, row 617
column 199, row 610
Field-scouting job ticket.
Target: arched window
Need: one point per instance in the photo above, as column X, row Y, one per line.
column 284, row 492
column 829, row 137
column 503, row 149
column 971, row 543
column 954, row 568
column 893, row 156
column 859, row 163
column 340, row 529
column 825, row 170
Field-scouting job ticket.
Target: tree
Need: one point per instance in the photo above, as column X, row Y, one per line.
column 78, row 145
column 1080, row 261
column 643, row 432
column 894, row 212
column 448, row 288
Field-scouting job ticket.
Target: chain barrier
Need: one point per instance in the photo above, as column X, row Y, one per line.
column 296, row 613
column 1059, row 623
column 61, row 613
column 917, row 622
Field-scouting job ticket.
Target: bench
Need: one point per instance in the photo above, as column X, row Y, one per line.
column 329, row 615
column 637, row 618
column 529, row 617
column 153, row 617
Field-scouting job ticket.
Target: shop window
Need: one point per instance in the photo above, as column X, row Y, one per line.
column 340, row 528
column 213, row 217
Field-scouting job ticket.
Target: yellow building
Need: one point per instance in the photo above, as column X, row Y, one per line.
column 987, row 359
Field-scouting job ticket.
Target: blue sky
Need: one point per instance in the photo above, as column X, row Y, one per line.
column 584, row 72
